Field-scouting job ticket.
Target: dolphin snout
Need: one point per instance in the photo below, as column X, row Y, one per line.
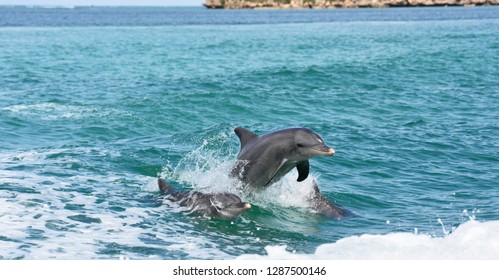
column 239, row 208
column 326, row 151
column 242, row 206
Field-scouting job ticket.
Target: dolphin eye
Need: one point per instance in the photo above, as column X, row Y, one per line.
column 300, row 145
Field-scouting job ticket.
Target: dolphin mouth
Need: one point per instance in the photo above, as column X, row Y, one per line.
column 244, row 206
column 240, row 207
column 325, row 151
column 330, row 152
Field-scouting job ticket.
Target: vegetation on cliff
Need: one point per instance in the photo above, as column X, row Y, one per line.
column 322, row 4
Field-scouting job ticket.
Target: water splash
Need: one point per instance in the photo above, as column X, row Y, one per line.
column 471, row 216
column 446, row 232
column 207, row 169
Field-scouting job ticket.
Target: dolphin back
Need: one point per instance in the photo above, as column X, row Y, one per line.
column 323, row 206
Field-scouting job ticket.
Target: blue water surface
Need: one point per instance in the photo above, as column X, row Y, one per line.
column 97, row 102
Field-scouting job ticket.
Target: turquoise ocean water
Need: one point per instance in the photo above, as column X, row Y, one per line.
column 96, row 103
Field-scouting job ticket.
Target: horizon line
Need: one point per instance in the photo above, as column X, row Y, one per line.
column 83, row 6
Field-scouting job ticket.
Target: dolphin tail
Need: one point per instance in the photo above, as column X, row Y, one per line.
column 324, row 207
column 164, row 187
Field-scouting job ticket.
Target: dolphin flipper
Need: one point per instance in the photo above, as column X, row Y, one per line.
column 303, row 169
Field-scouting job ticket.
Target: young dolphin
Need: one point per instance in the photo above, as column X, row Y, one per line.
column 265, row 159
column 225, row 206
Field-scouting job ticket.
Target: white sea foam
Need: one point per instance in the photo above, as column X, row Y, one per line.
column 49, row 111
column 471, row 240
column 54, row 111
column 38, row 223
column 288, row 192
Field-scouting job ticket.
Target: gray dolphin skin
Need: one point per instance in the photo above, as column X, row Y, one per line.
column 224, row 206
column 320, row 204
column 265, row 159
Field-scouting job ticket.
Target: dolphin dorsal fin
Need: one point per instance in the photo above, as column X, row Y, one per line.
column 164, row 187
column 244, row 135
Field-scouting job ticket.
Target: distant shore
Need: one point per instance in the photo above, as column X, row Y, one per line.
column 329, row 4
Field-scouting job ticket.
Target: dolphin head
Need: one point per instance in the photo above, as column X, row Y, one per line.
column 308, row 144
column 228, row 206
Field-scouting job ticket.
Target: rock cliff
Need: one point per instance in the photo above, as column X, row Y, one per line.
column 322, row 4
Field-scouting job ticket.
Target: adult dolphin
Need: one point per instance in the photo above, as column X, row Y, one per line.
column 265, row 159
column 225, row 206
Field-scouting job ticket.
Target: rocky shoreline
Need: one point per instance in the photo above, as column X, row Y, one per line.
column 327, row 4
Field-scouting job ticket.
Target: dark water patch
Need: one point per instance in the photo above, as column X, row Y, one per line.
column 18, row 189
column 85, row 219
column 35, row 234
column 144, row 224
column 8, row 239
column 152, row 239
column 415, row 123
column 74, row 207
column 83, row 190
column 148, row 170
column 116, row 249
column 117, row 209
column 59, row 174
column 47, row 183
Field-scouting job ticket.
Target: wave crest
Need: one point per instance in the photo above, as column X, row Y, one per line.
column 471, row 240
